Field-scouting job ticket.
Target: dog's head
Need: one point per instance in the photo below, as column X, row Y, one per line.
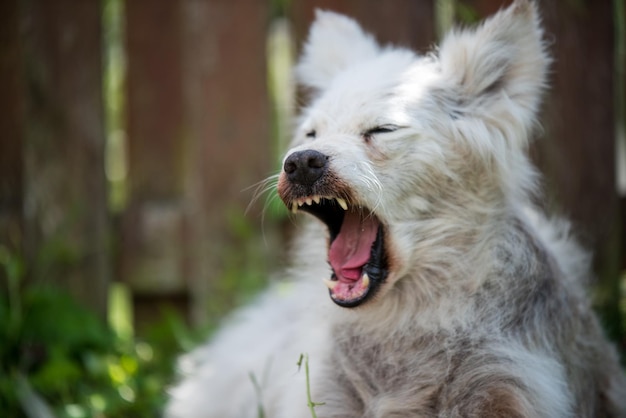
column 399, row 153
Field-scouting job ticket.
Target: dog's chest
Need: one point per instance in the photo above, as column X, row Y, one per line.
column 399, row 375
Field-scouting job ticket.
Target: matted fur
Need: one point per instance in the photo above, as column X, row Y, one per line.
column 484, row 312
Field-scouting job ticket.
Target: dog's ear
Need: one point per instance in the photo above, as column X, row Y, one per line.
column 335, row 41
column 499, row 69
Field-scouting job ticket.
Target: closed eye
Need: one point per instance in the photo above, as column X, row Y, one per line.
column 377, row 130
column 381, row 129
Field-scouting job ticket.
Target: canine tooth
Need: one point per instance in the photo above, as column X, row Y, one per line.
column 317, row 199
column 365, row 281
column 330, row 283
column 294, row 207
column 342, row 203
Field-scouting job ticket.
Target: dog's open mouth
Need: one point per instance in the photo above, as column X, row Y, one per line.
column 357, row 253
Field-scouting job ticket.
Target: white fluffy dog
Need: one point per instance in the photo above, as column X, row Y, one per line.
column 449, row 295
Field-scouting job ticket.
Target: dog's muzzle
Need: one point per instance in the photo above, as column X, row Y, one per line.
column 357, row 252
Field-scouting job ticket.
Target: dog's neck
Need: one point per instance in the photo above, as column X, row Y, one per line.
column 447, row 275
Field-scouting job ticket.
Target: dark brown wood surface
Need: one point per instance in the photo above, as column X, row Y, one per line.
column 65, row 208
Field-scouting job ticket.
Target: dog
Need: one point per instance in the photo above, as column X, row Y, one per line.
column 425, row 283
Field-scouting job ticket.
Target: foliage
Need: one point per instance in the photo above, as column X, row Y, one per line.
column 55, row 350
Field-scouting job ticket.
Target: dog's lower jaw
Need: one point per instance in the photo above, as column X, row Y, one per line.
column 373, row 275
column 357, row 251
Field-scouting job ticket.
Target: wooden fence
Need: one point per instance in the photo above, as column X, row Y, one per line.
column 199, row 129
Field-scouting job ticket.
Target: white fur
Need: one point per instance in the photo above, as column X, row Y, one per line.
column 451, row 186
column 335, row 43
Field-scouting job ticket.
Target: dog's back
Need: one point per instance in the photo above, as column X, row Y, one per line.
column 448, row 295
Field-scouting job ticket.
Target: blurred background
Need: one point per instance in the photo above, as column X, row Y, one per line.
column 134, row 133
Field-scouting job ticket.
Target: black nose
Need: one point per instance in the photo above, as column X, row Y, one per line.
column 305, row 167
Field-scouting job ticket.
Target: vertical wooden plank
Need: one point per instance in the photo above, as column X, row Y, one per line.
column 11, row 135
column 154, row 80
column 620, row 73
column 65, row 211
column 227, row 121
column 198, row 136
column 152, row 229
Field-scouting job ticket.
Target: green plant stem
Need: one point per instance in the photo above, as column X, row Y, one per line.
column 310, row 403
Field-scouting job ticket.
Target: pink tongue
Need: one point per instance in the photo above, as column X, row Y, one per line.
column 351, row 249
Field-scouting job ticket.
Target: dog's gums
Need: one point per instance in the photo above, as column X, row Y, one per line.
column 356, row 253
